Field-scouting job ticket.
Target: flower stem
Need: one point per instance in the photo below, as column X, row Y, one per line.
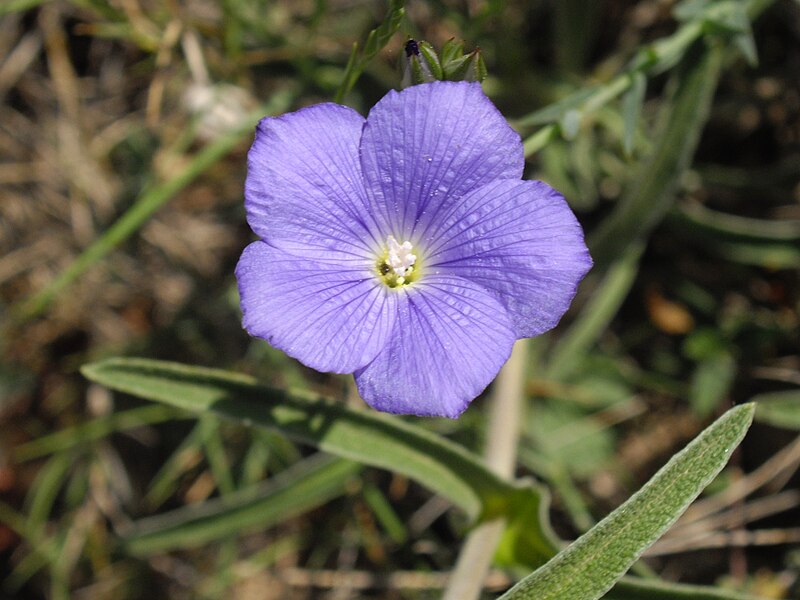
column 505, row 412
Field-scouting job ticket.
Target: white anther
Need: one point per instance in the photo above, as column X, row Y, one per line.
column 400, row 259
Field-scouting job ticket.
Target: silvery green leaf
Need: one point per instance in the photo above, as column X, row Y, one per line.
column 591, row 565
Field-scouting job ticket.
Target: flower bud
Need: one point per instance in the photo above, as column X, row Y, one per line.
column 422, row 64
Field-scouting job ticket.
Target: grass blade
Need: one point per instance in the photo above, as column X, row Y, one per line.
column 304, row 486
column 630, row 588
column 147, row 204
column 93, row 430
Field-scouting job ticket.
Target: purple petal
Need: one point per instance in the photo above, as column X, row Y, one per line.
column 330, row 316
column 426, row 146
column 304, row 185
column 450, row 339
column 519, row 239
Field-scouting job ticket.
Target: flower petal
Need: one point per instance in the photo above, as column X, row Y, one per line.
column 304, row 186
column 329, row 316
column 426, row 146
column 519, row 239
column 450, row 339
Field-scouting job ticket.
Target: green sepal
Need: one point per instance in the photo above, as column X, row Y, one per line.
column 452, row 50
column 416, row 67
column 428, row 53
column 421, row 63
column 468, row 67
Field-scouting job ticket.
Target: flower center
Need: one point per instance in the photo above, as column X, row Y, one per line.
column 396, row 265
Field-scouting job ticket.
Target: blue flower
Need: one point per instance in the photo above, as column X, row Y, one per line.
column 404, row 248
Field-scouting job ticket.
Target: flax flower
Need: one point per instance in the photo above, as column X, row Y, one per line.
column 404, row 248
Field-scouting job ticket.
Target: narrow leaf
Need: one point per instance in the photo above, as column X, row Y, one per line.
column 376, row 40
column 368, row 437
column 781, row 409
column 682, row 119
column 380, row 36
column 451, row 50
column 93, row 430
column 630, row 588
column 711, row 381
column 302, row 487
column 430, row 56
column 593, row 320
column 632, row 109
column 591, row 565
column 724, row 226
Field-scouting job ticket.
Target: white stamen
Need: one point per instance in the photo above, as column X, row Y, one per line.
column 400, row 258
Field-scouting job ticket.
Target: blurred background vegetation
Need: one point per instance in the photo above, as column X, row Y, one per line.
column 128, row 121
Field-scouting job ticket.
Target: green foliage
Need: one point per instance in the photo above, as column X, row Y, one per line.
column 593, row 563
column 629, row 588
column 306, row 485
column 422, row 64
column 652, row 195
column 614, row 128
column 368, row 437
column 68, row 438
column 781, row 409
column 376, row 40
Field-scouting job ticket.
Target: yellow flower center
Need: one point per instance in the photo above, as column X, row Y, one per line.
column 396, row 265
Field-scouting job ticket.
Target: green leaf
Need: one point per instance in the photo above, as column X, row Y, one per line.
column 567, row 435
column 556, row 111
column 645, row 203
column 591, row 565
column 385, row 513
column 781, row 409
column 632, row 109
column 746, row 44
column 381, row 35
column 44, row 489
column 601, row 307
column 98, row 428
column 769, row 256
column 724, row 226
column 469, row 67
column 711, row 382
column 728, row 15
column 704, row 343
column 300, row 488
column 376, row 40
column 367, row 437
column 570, row 124
column 630, row 588
column 689, row 10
